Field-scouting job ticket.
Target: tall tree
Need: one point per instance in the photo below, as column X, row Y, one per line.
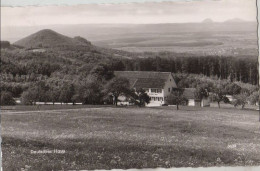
column 176, row 97
column 66, row 93
column 254, row 98
column 29, row 97
column 219, row 94
column 116, row 87
column 232, row 89
column 6, row 98
column 102, row 72
column 54, row 94
column 200, row 93
column 241, row 100
column 90, row 90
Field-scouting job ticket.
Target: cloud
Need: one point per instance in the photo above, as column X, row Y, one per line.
column 137, row 13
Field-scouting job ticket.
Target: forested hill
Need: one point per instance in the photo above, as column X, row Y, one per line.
column 53, row 58
column 55, row 52
column 50, row 39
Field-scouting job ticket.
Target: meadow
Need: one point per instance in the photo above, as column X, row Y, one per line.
column 129, row 137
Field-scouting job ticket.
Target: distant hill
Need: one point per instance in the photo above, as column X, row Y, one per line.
column 208, row 20
column 82, row 40
column 8, row 45
column 235, row 20
column 48, row 38
column 5, row 44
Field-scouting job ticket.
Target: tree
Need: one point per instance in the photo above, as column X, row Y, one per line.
column 116, row 87
column 240, row 100
column 67, row 92
column 90, row 90
column 102, row 72
column 200, row 93
column 140, row 97
column 36, row 92
column 233, row 89
column 176, row 97
column 29, row 97
column 219, row 94
column 41, row 91
column 7, row 98
column 254, row 97
column 54, row 94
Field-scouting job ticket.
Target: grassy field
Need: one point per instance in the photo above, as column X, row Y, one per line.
column 108, row 137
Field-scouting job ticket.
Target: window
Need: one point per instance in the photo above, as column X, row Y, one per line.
column 170, row 79
column 154, row 90
column 169, row 89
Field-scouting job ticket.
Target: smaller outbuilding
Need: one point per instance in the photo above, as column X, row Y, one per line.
column 189, row 94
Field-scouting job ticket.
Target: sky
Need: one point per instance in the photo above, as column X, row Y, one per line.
column 71, row 2
column 131, row 13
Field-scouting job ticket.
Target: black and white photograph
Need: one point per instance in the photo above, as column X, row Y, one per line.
column 129, row 85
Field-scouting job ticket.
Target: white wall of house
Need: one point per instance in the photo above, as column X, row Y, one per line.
column 156, row 95
column 123, row 103
column 205, row 102
column 191, row 102
column 159, row 98
column 156, row 100
column 169, row 85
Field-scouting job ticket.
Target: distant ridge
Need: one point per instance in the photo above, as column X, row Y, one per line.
column 235, row 20
column 208, row 20
column 232, row 20
column 48, row 38
column 82, row 40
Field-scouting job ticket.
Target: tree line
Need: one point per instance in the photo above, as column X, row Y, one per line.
column 222, row 67
column 98, row 87
column 101, row 86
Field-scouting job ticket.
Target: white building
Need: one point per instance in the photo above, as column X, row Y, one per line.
column 158, row 85
column 189, row 94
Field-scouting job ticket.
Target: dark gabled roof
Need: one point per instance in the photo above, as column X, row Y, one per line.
column 144, row 79
column 189, row 93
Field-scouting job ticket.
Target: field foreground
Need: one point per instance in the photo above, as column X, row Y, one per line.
column 107, row 137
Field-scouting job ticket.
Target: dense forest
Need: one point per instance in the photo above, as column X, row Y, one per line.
column 234, row 69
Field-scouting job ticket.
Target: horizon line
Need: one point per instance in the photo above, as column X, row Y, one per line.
column 199, row 22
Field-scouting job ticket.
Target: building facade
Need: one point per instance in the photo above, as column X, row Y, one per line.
column 158, row 85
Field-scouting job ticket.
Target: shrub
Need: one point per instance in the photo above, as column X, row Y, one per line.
column 7, row 98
